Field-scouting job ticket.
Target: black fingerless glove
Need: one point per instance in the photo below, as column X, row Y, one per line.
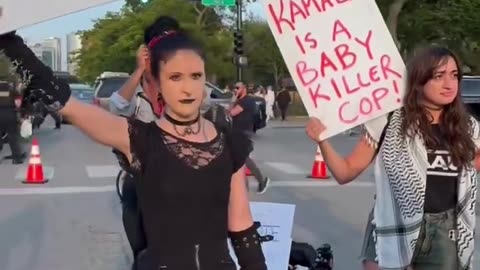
column 39, row 80
column 248, row 248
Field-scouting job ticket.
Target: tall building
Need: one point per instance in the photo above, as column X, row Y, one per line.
column 74, row 44
column 49, row 52
column 48, row 57
column 54, row 45
column 37, row 49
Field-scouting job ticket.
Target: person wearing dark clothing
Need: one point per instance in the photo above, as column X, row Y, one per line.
column 283, row 100
column 9, row 122
column 58, row 119
column 138, row 98
column 243, row 114
column 198, row 199
column 41, row 113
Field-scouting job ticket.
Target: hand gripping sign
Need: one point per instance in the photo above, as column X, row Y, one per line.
column 16, row 14
column 341, row 57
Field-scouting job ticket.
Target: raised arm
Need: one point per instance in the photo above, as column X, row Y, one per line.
column 344, row 169
column 128, row 90
column 123, row 101
column 98, row 124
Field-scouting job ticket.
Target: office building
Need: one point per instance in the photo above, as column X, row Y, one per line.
column 53, row 46
column 49, row 52
column 74, row 44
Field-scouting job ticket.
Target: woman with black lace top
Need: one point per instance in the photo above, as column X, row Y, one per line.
column 198, row 199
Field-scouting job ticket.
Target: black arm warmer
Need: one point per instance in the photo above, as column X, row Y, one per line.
column 248, row 248
column 38, row 78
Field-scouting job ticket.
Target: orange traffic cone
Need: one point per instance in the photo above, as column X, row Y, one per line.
column 35, row 168
column 319, row 169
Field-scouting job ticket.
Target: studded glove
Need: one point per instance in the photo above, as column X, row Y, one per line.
column 41, row 85
column 248, row 249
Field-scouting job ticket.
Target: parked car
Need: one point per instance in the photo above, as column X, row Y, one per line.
column 82, row 92
column 109, row 82
column 106, row 84
column 470, row 90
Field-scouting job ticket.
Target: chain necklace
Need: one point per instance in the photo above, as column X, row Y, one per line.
column 187, row 124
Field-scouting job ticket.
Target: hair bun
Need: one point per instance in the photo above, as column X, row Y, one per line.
column 162, row 25
column 165, row 24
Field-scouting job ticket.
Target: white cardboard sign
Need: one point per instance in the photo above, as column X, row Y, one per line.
column 16, row 14
column 341, row 57
column 276, row 220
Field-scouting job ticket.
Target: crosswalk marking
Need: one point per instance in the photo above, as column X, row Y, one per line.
column 102, row 171
column 112, row 188
column 56, row 190
column 286, row 167
column 314, row 183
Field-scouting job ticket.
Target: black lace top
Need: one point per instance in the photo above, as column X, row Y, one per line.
column 183, row 187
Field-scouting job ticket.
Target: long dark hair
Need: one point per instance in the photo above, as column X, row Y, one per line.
column 454, row 120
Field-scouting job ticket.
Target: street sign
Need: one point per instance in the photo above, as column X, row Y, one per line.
column 225, row 3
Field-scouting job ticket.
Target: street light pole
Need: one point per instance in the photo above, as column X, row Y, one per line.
column 239, row 30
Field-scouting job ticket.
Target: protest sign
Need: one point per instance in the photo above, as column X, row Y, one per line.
column 341, row 57
column 16, row 14
column 276, row 220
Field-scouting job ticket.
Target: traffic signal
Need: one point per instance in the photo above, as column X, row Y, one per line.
column 238, row 42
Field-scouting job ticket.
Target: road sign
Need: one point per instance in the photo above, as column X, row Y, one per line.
column 218, row 3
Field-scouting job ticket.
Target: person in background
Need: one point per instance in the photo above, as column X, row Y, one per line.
column 270, row 102
column 250, row 88
column 243, row 114
column 139, row 96
column 260, row 92
column 283, row 101
column 9, row 126
column 58, row 120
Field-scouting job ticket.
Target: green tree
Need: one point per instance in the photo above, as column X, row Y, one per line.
column 391, row 10
column 453, row 23
column 113, row 41
column 266, row 64
column 6, row 73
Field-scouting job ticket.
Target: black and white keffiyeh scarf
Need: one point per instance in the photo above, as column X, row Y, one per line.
column 400, row 176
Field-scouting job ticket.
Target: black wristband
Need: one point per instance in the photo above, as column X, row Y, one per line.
column 248, row 249
column 38, row 79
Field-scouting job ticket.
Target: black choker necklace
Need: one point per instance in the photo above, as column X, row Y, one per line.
column 187, row 124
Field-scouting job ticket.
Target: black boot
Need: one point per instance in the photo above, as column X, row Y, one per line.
column 20, row 159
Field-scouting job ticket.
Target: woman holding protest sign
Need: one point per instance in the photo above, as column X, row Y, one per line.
column 424, row 213
column 198, row 199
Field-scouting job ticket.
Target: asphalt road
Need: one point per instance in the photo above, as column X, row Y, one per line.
column 74, row 221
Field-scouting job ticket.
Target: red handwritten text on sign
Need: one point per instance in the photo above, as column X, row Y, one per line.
column 299, row 10
column 353, row 74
